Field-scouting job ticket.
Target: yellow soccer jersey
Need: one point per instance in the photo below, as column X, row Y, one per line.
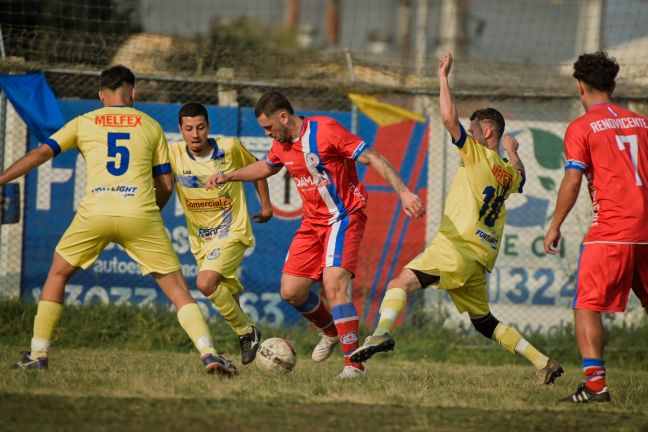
column 220, row 212
column 123, row 149
column 474, row 213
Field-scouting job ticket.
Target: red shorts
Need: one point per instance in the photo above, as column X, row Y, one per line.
column 317, row 246
column 607, row 272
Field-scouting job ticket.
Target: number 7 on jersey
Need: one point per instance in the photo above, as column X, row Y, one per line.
column 632, row 142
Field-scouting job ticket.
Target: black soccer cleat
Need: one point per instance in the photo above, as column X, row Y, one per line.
column 28, row 363
column 585, row 395
column 217, row 364
column 249, row 344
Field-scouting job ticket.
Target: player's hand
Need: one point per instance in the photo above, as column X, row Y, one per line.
column 510, row 144
column 551, row 240
column 263, row 216
column 412, row 205
column 217, row 180
column 445, row 64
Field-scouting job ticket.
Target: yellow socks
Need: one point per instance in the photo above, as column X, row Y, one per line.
column 230, row 310
column 512, row 340
column 47, row 316
column 392, row 305
column 192, row 321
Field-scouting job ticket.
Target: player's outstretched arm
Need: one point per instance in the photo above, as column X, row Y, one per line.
column 511, row 146
column 264, row 196
column 255, row 171
column 412, row 204
column 31, row 160
column 567, row 196
column 163, row 189
column 448, row 109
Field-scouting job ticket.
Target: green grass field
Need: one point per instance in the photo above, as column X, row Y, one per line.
column 146, row 377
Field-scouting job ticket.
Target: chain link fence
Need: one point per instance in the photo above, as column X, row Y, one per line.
column 228, row 70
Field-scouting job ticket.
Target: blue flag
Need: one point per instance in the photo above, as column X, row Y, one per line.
column 35, row 102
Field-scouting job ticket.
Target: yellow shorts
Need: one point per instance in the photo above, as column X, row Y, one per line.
column 144, row 239
column 224, row 256
column 463, row 277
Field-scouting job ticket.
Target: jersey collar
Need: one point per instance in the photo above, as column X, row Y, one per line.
column 302, row 131
column 601, row 104
column 217, row 154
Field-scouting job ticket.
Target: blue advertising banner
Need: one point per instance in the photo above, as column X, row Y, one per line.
column 54, row 190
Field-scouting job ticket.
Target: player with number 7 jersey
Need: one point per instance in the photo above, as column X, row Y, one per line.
column 609, row 144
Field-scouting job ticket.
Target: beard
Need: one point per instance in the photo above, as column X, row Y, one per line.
column 284, row 135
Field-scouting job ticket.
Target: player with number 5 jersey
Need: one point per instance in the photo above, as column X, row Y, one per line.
column 128, row 182
column 119, row 145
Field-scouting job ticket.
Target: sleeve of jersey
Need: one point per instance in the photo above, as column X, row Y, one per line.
column 247, row 158
column 161, row 160
column 520, row 180
column 576, row 151
column 272, row 159
column 65, row 138
column 469, row 150
column 350, row 145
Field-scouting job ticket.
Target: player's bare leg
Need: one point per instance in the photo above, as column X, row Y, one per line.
column 209, row 284
column 192, row 321
column 337, row 281
column 296, row 291
column 391, row 307
column 50, row 308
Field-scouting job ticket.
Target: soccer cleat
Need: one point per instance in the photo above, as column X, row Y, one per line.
column 371, row 346
column 585, row 395
column 28, row 363
column 249, row 345
column 216, row 363
column 549, row 373
column 352, row 372
column 324, row 348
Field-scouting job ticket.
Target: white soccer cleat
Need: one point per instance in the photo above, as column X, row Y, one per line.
column 324, row 348
column 352, row 372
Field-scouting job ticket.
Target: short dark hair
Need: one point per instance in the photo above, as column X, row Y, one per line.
column 116, row 76
column 597, row 70
column 271, row 102
column 192, row 109
column 493, row 116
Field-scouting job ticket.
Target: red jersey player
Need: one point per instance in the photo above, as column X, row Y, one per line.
column 320, row 155
column 608, row 144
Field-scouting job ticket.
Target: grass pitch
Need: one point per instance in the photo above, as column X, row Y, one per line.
column 105, row 390
column 431, row 382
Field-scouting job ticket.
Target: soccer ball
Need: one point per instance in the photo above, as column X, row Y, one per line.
column 276, row 356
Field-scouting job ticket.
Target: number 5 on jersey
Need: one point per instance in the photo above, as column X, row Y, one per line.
column 114, row 149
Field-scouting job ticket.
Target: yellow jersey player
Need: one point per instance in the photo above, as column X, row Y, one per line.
column 469, row 237
column 217, row 220
column 128, row 182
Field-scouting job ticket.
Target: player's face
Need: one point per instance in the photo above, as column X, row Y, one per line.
column 195, row 132
column 476, row 131
column 275, row 126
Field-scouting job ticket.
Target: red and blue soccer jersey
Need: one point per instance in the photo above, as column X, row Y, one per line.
column 322, row 165
column 610, row 145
